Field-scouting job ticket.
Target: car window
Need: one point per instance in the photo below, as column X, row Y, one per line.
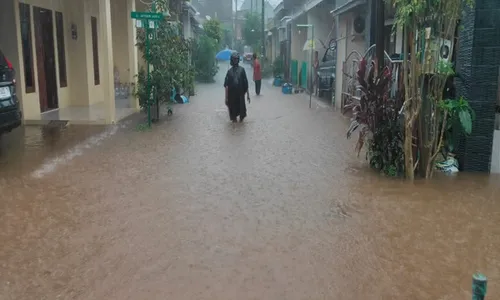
column 328, row 55
column 3, row 62
column 331, row 52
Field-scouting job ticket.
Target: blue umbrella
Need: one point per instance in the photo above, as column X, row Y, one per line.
column 224, row 54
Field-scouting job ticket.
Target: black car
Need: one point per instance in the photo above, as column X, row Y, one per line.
column 10, row 114
column 327, row 69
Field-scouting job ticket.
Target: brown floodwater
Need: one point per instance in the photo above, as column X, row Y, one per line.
column 278, row 207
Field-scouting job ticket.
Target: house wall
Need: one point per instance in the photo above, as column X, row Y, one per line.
column 95, row 91
column 220, row 9
column 341, row 56
column 119, row 21
column 269, row 48
column 346, row 43
column 186, row 26
column 9, row 16
column 495, row 153
column 299, row 38
column 275, row 44
column 320, row 17
column 79, row 57
column 478, row 65
column 399, row 39
column 81, row 89
column 125, row 53
column 276, row 40
column 140, row 6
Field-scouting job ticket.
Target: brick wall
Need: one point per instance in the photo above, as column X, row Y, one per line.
column 478, row 62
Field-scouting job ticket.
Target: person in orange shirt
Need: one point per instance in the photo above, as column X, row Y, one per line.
column 257, row 75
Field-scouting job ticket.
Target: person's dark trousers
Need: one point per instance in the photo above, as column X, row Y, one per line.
column 257, row 86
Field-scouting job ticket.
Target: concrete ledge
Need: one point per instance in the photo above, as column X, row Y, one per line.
column 495, row 153
column 75, row 122
column 119, row 117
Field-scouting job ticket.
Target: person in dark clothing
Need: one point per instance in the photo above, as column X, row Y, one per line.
column 236, row 85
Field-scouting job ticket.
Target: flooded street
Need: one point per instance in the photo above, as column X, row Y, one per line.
column 278, row 207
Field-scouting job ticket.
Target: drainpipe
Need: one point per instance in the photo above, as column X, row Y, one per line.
column 263, row 33
column 380, row 35
column 234, row 23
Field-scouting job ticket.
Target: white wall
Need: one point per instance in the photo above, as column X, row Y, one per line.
column 10, row 30
column 322, row 21
column 140, row 6
column 119, row 21
column 346, row 43
column 81, row 90
column 399, row 39
column 495, row 155
column 186, row 26
column 299, row 38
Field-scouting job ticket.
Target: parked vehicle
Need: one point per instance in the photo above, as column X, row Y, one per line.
column 10, row 114
column 327, row 69
column 247, row 57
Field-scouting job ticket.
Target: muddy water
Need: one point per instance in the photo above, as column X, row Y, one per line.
column 276, row 208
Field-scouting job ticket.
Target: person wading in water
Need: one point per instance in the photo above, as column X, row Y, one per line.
column 257, row 75
column 236, row 85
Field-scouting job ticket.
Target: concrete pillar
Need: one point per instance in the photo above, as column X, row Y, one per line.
column 186, row 25
column 341, row 33
column 478, row 66
column 107, row 79
column 132, row 49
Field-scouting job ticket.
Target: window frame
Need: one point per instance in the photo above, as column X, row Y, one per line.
column 27, row 47
column 95, row 49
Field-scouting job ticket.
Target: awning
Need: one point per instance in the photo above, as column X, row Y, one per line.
column 190, row 8
column 347, row 7
column 305, row 8
column 311, row 4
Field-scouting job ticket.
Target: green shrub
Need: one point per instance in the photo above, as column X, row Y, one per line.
column 167, row 54
column 204, row 51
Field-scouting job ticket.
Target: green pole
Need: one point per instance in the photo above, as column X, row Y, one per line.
column 148, row 59
column 312, row 66
column 263, row 31
column 154, row 91
column 479, row 286
column 148, row 84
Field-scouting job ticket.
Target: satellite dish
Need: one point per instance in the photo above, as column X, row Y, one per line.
column 445, row 51
column 359, row 24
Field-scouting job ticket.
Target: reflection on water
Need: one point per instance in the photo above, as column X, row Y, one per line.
column 275, row 208
column 26, row 147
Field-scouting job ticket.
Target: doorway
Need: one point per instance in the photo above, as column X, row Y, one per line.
column 46, row 60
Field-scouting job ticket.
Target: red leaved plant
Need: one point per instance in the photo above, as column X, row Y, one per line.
column 371, row 108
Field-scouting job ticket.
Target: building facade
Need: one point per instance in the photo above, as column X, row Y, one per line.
column 68, row 56
column 478, row 64
column 255, row 6
column 215, row 9
column 76, row 60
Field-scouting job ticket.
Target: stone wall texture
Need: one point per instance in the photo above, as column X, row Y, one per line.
column 478, row 63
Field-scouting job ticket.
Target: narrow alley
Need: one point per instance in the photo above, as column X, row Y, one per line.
column 277, row 207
